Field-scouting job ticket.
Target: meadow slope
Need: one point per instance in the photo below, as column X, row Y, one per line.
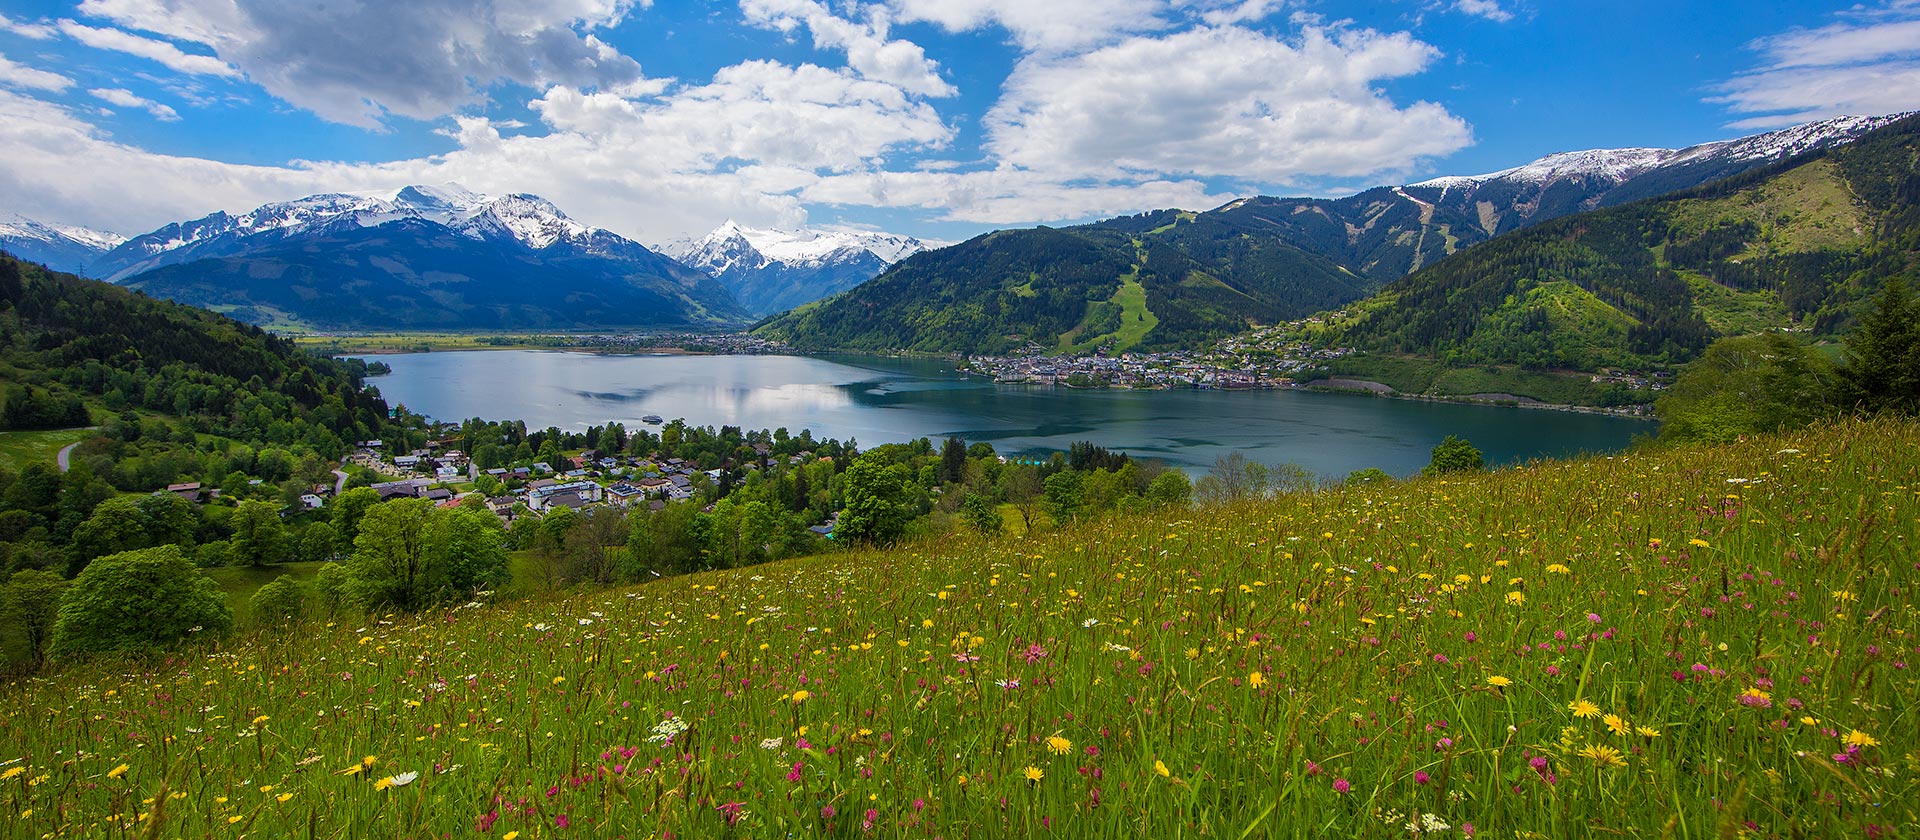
column 1685, row 643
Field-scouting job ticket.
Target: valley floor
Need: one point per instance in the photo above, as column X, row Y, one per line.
column 1685, row 643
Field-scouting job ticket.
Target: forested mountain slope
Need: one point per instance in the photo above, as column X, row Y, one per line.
column 1796, row 245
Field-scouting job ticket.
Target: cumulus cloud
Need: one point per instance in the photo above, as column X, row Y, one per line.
column 1225, row 102
column 127, row 99
column 1868, row 62
column 1489, row 9
column 21, row 76
column 107, row 38
column 354, row 63
column 869, row 51
column 1041, row 25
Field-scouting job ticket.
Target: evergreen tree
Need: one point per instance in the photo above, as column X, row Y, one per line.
column 1883, row 353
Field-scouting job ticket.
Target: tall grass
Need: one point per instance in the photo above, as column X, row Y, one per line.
column 1695, row 643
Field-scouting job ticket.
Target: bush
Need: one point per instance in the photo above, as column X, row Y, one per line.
column 283, row 600
column 136, row 600
column 1455, row 455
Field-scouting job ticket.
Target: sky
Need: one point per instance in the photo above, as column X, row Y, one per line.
column 660, row 119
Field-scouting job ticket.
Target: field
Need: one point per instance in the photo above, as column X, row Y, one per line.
column 18, row 449
column 1687, row 643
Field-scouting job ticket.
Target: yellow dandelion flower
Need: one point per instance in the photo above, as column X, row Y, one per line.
column 1256, row 679
column 801, row 696
column 261, row 719
column 1516, row 598
column 383, row 784
column 1583, row 708
column 117, row 772
column 1034, row 774
column 1616, row 723
column 1498, row 681
column 511, row 835
column 236, row 818
column 12, row 772
column 1058, row 745
column 1647, row 731
column 284, row 797
column 1557, row 569
column 1861, row 739
column 1696, row 542
column 1603, row 755
column 559, row 680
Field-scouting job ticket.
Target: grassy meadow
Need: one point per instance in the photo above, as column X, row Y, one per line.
column 1687, row 643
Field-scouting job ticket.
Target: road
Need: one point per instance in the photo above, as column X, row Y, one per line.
column 339, row 483
column 60, row 459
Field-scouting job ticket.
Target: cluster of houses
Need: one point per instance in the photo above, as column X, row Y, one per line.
column 1635, row 380
column 1272, row 357
column 584, row 481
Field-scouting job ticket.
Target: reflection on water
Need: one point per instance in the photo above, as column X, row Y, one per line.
column 876, row 400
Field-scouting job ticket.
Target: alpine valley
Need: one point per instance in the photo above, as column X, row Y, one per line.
column 1175, row 278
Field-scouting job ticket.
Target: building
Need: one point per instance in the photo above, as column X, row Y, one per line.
column 582, row 492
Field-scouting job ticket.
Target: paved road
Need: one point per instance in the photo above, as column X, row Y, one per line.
column 340, row 483
column 60, row 459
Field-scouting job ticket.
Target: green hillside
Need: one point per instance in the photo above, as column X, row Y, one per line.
column 1685, row 643
column 1798, row 245
column 1185, row 281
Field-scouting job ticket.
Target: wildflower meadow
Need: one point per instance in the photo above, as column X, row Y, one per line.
column 1687, row 643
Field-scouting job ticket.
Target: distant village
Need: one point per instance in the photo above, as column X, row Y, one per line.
column 1257, row 360
column 591, row 479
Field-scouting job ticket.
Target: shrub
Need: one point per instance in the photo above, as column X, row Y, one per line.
column 1455, row 455
column 283, row 600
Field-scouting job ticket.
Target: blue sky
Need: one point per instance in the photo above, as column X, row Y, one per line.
column 939, row 118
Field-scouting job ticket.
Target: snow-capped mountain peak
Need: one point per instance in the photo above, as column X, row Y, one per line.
column 773, row 270
column 61, row 247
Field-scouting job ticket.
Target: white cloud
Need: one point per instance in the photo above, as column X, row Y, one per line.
column 1489, row 9
column 869, row 52
column 1243, row 11
column 103, row 38
column 1007, row 196
column 1041, row 25
column 36, row 31
column 22, row 76
column 356, row 62
column 1867, row 63
column 127, row 99
column 1224, row 102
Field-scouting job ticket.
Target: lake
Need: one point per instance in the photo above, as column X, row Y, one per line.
column 878, row 400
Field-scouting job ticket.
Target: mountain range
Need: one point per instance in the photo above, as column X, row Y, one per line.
column 59, row 247
column 772, row 271
column 1253, row 261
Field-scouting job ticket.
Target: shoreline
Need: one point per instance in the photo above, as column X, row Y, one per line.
column 1382, row 390
column 1326, row 386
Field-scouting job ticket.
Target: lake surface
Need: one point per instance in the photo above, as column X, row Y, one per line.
column 880, row 400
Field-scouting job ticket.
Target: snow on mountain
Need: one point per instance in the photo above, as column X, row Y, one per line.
column 527, row 219
column 60, row 247
column 775, row 270
column 1622, row 165
column 735, row 247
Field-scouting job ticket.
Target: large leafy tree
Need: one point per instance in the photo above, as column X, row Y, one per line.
column 135, row 600
column 1746, row 385
column 259, row 537
column 876, row 501
column 399, row 556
